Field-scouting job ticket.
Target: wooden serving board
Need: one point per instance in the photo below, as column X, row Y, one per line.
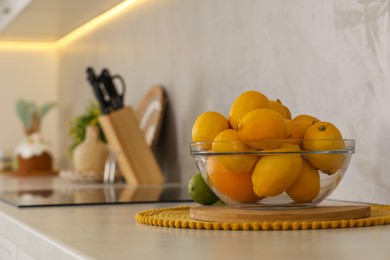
column 319, row 213
column 150, row 114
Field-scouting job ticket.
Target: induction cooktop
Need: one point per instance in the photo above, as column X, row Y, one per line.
column 101, row 195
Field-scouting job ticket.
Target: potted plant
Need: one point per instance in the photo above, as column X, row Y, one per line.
column 78, row 126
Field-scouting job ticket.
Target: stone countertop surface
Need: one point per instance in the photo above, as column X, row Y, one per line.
column 111, row 232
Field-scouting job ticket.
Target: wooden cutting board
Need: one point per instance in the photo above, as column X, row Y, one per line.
column 150, row 114
column 319, row 213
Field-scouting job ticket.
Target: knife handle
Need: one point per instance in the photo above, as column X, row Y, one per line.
column 105, row 106
column 116, row 99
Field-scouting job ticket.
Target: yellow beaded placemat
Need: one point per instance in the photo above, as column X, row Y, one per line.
column 179, row 217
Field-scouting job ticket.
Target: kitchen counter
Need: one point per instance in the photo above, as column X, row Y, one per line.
column 111, row 232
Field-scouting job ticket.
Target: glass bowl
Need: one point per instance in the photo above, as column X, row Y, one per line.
column 277, row 174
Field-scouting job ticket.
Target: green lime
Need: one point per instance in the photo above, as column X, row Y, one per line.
column 200, row 192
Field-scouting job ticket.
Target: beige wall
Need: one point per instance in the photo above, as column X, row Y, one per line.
column 29, row 74
column 325, row 58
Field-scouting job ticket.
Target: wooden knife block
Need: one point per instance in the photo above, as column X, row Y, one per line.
column 136, row 160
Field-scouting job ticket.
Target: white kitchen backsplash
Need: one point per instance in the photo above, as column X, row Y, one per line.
column 325, row 58
column 330, row 59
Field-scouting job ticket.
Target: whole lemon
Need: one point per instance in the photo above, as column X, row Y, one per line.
column 236, row 186
column 294, row 132
column 324, row 136
column 307, row 185
column 245, row 103
column 229, row 141
column 274, row 174
column 305, row 120
column 207, row 125
column 286, row 109
column 278, row 107
column 262, row 124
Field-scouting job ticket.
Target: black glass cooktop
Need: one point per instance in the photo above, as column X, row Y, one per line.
column 102, row 195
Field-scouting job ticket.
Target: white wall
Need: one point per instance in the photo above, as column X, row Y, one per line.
column 29, row 74
column 325, row 58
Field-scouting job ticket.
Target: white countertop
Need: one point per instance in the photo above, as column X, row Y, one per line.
column 111, row 232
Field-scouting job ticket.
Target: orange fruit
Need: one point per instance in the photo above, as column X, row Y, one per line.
column 235, row 186
column 286, row 109
column 262, row 124
column 294, row 132
column 229, row 141
column 305, row 120
column 274, row 174
column 207, row 125
column 245, row 103
column 278, row 108
column 307, row 185
column 324, row 136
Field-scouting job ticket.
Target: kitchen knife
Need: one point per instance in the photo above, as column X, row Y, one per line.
column 116, row 100
column 105, row 106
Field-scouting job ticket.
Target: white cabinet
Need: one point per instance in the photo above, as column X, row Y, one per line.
column 21, row 255
column 9, row 251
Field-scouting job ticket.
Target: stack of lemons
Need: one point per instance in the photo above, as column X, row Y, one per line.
column 253, row 120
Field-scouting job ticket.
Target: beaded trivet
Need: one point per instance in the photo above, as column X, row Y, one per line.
column 179, row 217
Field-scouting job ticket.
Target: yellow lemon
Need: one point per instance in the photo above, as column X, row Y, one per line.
column 245, row 103
column 286, row 109
column 294, row 132
column 262, row 124
column 278, row 108
column 229, row 141
column 305, row 120
column 274, row 174
column 235, row 186
column 323, row 130
column 307, row 186
column 207, row 125
column 324, row 136
column 283, row 147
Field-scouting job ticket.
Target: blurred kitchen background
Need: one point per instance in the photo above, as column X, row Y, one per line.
column 329, row 59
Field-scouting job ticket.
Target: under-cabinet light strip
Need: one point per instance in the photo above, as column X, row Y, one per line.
column 75, row 34
column 95, row 22
column 27, row 45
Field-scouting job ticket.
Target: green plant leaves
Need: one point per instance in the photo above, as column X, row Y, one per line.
column 26, row 110
column 42, row 111
column 78, row 125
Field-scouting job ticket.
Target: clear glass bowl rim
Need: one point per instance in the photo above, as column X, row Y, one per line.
column 197, row 148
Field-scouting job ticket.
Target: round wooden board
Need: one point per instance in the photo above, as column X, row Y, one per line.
column 150, row 113
column 319, row 213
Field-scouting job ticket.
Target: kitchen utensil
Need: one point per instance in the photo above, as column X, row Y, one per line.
column 110, row 168
column 150, row 114
column 136, row 160
column 104, row 103
column 115, row 99
column 105, row 90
